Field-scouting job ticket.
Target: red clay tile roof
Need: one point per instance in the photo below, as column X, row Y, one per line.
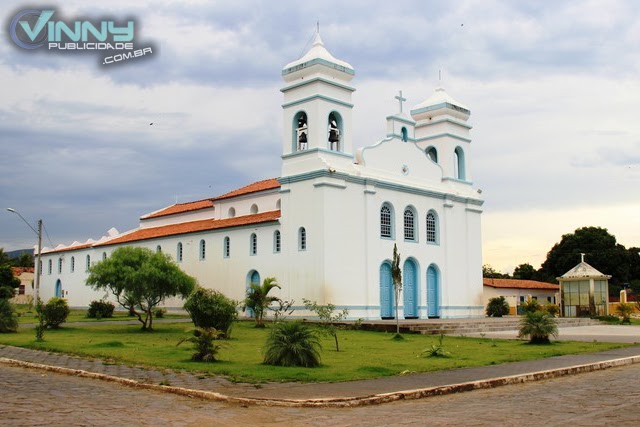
column 267, row 184
column 192, row 227
column 518, row 284
column 17, row 271
column 180, row 208
column 71, row 248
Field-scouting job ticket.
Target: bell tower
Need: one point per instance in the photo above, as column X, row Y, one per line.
column 316, row 110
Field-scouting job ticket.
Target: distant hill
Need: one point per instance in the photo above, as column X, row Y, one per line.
column 15, row 254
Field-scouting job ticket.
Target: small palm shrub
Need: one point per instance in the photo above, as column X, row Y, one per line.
column 497, row 307
column 551, row 309
column 538, row 326
column 8, row 316
column 205, row 345
column 211, row 309
column 100, row 309
column 437, row 350
column 530, row 306
column 55, row 312
column 624, row 311
column 292, row 344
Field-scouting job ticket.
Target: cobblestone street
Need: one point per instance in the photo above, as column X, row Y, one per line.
column 34, row 398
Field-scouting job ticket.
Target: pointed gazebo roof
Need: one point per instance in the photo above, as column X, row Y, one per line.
column 583, row 271
column 439, row 102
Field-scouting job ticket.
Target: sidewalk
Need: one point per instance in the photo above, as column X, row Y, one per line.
column 354, row 393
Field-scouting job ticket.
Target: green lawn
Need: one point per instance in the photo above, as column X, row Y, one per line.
column 29, row 316
column 363, row 354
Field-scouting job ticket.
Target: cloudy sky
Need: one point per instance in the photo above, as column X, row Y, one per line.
column 553, row 87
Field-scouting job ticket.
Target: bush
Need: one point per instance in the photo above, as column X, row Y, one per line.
column 211, row 309
column 55, row 312
column 538, row 326
column 204, row 344
column 497, row 307
column 100, row 309
column 292, row 344
column 159, row 312
column 624, row 311
column 530, row 306
column 8, row 316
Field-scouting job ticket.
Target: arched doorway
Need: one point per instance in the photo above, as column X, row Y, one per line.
column 386, row 291
column 58, row 291
column 433, row 296
column 410, row 289
column 252, row 278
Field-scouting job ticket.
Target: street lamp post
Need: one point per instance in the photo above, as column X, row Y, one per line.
column 38, row 263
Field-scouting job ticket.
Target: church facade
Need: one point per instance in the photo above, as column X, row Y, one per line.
column 327, row 226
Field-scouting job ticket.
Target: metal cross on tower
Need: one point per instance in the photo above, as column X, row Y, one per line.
column 400, row 100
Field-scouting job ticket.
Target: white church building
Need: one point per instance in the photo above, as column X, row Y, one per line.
column 327, row 226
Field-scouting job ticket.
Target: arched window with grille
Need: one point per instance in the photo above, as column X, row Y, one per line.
column 179, row 252
column 410, row 233
column 277, row 242
column 432, row 228
column 302, row 239
column 203, row 250
column 386, row 221
column 227, row 247
column 253, row 242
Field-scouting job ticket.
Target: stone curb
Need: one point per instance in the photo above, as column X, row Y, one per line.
column 338, row 402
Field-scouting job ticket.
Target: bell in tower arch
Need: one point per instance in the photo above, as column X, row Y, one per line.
column 301, row 132
column 334, row 133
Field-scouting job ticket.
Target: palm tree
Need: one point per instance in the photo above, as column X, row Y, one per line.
column 538, row 326
column 396, row 276
column 625, row 310
column 258, row 299
column 292, row 344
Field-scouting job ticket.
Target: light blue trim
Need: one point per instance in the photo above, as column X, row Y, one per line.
column 329, row 184
column 435, row 122
column 462, row 307
column 461, row 164
column 443, row 135
column 315, row 150
column 314, row 80
column 377, row 183
column 318, row 61
column 461, row 181
column 202, row 250
column 312, row 97
column 403, row 120
column 474, row 210
column 277, row 242
column 398, row 136
column 226, row 254
column 439, row 106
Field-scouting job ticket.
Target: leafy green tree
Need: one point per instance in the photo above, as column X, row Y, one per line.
column 24, row 260
column 329, row 319
column 497, row 307
column 211, row 309
column 8, row 283
column 258, row 299
column 8, row 316
column 538, row 326
column 603, row 253
column 140, row 279
column 292, row 344
column 524, row 272
column 490, row 273
column 396, row 277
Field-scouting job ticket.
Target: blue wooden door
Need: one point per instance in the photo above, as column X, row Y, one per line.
column 58, row 289
column 432, row 292
column 410, row 289
column 386, row 291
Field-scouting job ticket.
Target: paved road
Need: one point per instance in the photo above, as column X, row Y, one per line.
column 602, row 333
column 609, row 397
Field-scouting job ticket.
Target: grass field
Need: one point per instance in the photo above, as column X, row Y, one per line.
column 363, row 354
